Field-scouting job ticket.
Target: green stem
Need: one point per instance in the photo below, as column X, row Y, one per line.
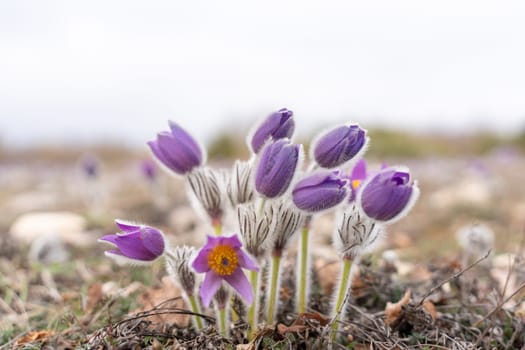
column 276, row 262
column 223, row 330
column 344, row 285
column 253, row 311
column 218, row 229
column 303, row 271
column 262, row 202
column 195, row 308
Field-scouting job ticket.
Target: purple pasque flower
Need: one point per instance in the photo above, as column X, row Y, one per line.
column 338, row 146
column 135, row 244
column 220, row 259
column 276, row 168
column 320, row 191
column 276, row 126
column 90, row 166
column 357, row 176
column 388, row 195
column 177, row 150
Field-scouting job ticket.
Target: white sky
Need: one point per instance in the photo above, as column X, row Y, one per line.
column 84, row 70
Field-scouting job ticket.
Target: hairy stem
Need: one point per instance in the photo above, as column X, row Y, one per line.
column 274, row 278
column 195, row 308
column 303, row 275
column 344, row 285
column 253, row 311
column 223, row 329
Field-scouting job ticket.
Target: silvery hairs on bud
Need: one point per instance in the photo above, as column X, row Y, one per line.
column 221, row 296
column 178, row 267
column 355, row 233
column 255, row 229
column 208, row 186
column 240, row 187
column 287, row 220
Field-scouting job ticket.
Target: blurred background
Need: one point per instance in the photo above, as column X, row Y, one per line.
column 83, row 85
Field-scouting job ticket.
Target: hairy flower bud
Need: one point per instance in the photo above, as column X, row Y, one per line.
column 276, row 126
column 208, row 186
column 177, row 150
column 276, row 168
column 389, row 195
column 288, row 219
column 240, row 187
column 178, row 266
column 338, row 146
column 320, row 191
column 255, row 229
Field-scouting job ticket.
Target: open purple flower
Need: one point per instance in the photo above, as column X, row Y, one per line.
column 276, row 126
column 135, row 244
column 338, row 146
column 389, row 195
column 320, row 191
column 222, row 258
column 357, row 176
column 276, row 168
column 177, row 149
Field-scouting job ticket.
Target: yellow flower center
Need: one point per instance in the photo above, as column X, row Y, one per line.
column 223, row 260
column 355, row 184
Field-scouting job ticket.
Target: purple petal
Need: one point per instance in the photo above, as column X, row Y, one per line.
column 153, row 240
column 132, row 246
column 240, row 283
column 339, row 145
column 127, row 226
column 247, row 262
column 277, row 125
column 186, row 139
column 200, row 263
column 359, row 170
column 232, row 241
column 209, row 287
column 181, row 158
column 109, row 238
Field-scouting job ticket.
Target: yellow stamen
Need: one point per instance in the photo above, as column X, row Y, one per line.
column 223, row 260
column 355, row 184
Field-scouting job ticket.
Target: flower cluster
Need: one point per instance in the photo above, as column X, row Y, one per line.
column 273, row 196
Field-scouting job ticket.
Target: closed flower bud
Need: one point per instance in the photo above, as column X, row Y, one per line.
column 287, row 220
column 276, row 126
column 338, row 146
column 136, row 244
column 355, row 233
column 178, row 263
column 276, row 168
column 208, row 186
column 320, row 191
column 389, row 195
column 255, row 229
column 240, row 186
column 177, row 150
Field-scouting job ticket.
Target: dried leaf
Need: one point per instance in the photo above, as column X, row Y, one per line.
column 94, row 296
column 393, row 310
column 430, row 309
column 40, row 336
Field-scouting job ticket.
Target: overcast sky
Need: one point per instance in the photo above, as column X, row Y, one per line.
column 85, row 70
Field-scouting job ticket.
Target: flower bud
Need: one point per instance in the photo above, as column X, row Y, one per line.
column 357, row 176
column 208, row 186
column 320, row 191
column 287, row 220
column 276, row 126
column 276, row 168
column 136, row 244
column 338, row 146
column 389, row 195
column 178, row 262
column 240, row 187
column 148, row 170
column 177, row 150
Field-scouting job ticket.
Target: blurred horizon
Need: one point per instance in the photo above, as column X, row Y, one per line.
column 115, row 72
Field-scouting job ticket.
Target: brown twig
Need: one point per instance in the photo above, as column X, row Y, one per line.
column 457, row 274
column 500, row 305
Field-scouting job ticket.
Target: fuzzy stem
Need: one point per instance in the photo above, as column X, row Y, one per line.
column 303, row 275
column 195, row 308
column 223, row 330
column 344, row 285
column 276, row 263
column 253, row 311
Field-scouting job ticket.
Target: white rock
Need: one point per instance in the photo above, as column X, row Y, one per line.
column 48, row 249
column 68, row 227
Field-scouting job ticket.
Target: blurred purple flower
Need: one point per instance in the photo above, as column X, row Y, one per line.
column 389, row 195
column 276, row 168
column 90, row 166
column 136, row 244
column 320, row 191
column 338, row 146
column 222, row 258
column 357, row 176
column 276, row 126
column 177, row 149
column 148, row 170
